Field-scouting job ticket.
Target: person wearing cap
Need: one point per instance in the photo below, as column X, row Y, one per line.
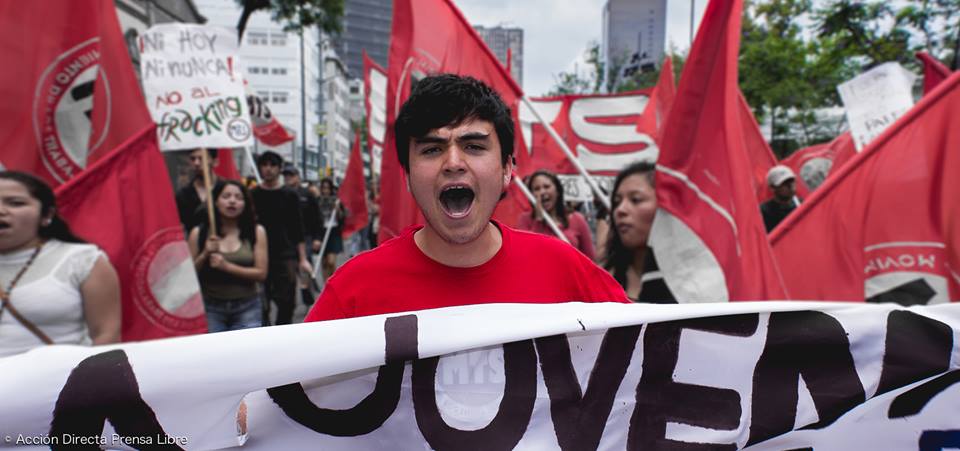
column 278, row 211
column 312, row 229
column 782, row 181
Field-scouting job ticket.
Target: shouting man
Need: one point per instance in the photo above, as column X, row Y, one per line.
column 454, row 139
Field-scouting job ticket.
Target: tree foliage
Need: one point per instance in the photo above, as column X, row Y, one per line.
column 295, row 15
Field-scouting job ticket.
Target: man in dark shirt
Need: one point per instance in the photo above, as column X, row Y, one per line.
column 782, row 181
column 278, row 210
column 312, row 232
column 191, row 198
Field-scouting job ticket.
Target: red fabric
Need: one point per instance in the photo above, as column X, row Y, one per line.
column 596, row 122
column 226, row 167
column 529, row 268
column 578, row 234
column 428, row 37
column 891, row 210
column 705, row 176
column 266, row 128
column 72, row 95
column 353, row 193
column 661, row 99
column 934, row 72
column 759, row 152
column 123, row 204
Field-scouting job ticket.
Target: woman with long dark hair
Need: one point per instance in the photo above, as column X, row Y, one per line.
column 548, row 191
column 628, row 257
column 54, row 287
column 232, row 260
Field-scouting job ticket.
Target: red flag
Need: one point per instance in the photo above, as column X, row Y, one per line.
column 600, row 129
column 429, row 36
column 933, row 71
column 73, row 95
column 353, row 193
column 123, row 204
column 814, row 164
column 705, row 177
column 226, row 167
column 661, row 99
column 759, row 152
column 266, row 127
column 886, row 227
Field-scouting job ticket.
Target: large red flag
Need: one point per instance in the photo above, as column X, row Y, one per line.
column 353, row 193
column 68, row 87
column 759, row 152
column 226, row 167
column 934, row 71
column 705, row 186
column 123, row 204
column 814, row 164
column 886, row 228
column 428, row 37
column 661, row 99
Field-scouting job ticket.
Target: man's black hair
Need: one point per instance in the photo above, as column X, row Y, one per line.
column 271, row 157
column 449, row 100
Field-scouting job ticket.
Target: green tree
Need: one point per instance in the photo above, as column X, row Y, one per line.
column 593, row 81
column 295, row 14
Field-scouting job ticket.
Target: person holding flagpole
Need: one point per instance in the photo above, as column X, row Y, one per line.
column 54, row 287
column 454, row 138
column 548, row 191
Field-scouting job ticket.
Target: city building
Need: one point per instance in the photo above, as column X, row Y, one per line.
column 366, row 26
column 633, row 34
column 499, row 39
column 272, row 61
column 337, row 132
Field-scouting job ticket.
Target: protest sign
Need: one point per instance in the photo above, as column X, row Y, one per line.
column 875, row 99
column 193, row 87
column 759, row 376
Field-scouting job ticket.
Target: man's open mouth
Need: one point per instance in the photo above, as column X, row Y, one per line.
column 4, row 225
column 456, row 200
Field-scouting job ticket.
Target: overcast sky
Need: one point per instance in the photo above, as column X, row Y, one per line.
column 557, row 32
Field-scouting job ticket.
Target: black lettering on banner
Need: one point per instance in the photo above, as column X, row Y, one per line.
column 939, row 440
column 661, row 400
column 372, row 411
column 104, row 387
column 917, row 347
column 809, row 344
column 579, row 419
column 513, row 415
column 913, row 401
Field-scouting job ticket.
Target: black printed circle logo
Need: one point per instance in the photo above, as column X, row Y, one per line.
column 238, row 129
column 63, row 109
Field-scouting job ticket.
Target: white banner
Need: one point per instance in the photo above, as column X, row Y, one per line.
column 875, row 99
column 193, row 86
column 759, row 376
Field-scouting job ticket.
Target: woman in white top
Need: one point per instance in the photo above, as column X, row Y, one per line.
column 54, row 288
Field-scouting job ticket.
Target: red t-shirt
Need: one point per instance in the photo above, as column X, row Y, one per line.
column 578, row 233
column 398, row 277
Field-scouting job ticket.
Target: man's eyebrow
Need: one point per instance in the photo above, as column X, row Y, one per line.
column 473, row 136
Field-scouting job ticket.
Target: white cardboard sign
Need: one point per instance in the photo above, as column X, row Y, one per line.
column 194, row 87
column 875, row 99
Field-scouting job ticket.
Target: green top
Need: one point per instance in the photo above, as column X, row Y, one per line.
column 219, row 285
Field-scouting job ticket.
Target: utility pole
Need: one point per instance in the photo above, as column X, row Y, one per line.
column 693, row 8
column 303, row 110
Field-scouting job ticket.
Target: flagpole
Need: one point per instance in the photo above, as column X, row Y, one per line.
column 253, row 164
column 566, row 150
column 326, row 239
column 205, row 155
column 547, row 217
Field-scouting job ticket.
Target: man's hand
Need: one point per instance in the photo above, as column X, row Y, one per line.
column 305, row 267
